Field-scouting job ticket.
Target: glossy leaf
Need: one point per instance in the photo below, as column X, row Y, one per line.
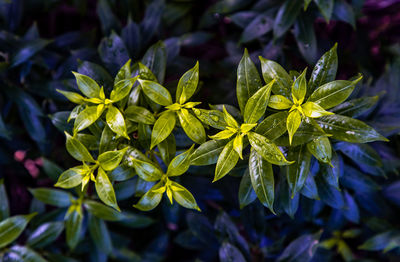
column 111, row 159
column 151, row 199
column 321, row 149
column 208, row 152
column 183, row 196
column 86, row 118
column 324, row 71
column 360, row 153
column 180, row 164
column 23, row 253
column 226, row 161
column 139, row 114
column 72, row 96
column 326, row 8
column 262, row 179
column 192, row 126
column 167, row 149
column 12, row 227
column 147, row 171
column 257, row 104
column 273, row 126
column 88, row 86
column 267, row 149
column 286, row 16
column 313, row 110
column 105, row 190
column 77, row 150
column 272, row 70
column 297, row 173
column 100, row 234
column 155, row 59
column 213, row 118
column 116, row 122
column 333, row 93
column 246, row 192
column 122, row 89
column 163, row 127
column 293, row 123
column 348, row 129
column 187, row 85
column 355, row 107
column 102, row 211
column 248, row 80
column 299, row 88
column 72, row 177
column 156, row 92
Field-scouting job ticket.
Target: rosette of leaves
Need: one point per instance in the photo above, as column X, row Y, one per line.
column 166, row 121
column 151, row 172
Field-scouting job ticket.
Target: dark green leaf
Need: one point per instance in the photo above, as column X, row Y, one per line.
column 167, row 149
column 45, row 234
column 248, row 80
column 321, row 149
column 258, row 27
column 102, row 211
column 213, row 118
column 360, row 153
column 12, row 227
column 52, row 197
column 326, row 8
column 297, row 173
column 155, row 59
column 286, row 16
column 246, row 192
column 273, row 126
column 272, row 70
column 208, row 152
column 355, row 107
column 73, row 228
column 262, row 179
column 100, row 234
column 305, row 38
column 348, row 129
column 4, row 206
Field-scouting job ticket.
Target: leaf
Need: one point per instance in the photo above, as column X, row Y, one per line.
column 183, row 196
column 207, row 153
column 248, row 80
column 102, row 211
column 139, row 114
column 333, row 93
column 27, row 50
column 326, row 8
column 358, row 181
column 131, row 36
column 21, row 253
column 267, row 149
column 167, row 149
column 192, row 126
column 257, row 104
column 100, row 234
column 187, row 84
column 88, row 86
column 4, row 206
column 52, row 197
column 147, row 171
column 344, row 11
column 151, row 21
column 355, row 107
column 262, row 179
column 111, row 159
column 324, row 71
column 246, row 192
column 113, row 52
column 45, row 234
column 86, row 118
column 156, row 92
column 151, row 199
column 229, row 119
column 180, row 164
column 321, row 149
column 73, row 228
column 12, row 227
column 273, row 126
column 360, row 153
column 122, row 89
column 299, row 88
column 229, row 253
column 286, row 16
column 313, row 110
column 163, row 127
column 155, row 59
column 305, row 38
column 302, row 249
column 77, row 150
column 226, row 161
column 279, row 102
column 116, row 122
column 272, row 70
column 124, row 72
column 96, row 72
column 348, row 129
column 238, row 145
column 213, row 118
column 72, row 177
column 378, row 242
column 293, row 123
column 329, row 194
column 72, row 96
column 297, row 173
column 258, row 27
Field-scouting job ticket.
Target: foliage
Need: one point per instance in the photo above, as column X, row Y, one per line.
column 150, row 121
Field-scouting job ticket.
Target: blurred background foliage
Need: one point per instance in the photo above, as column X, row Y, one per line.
column 42, row 41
